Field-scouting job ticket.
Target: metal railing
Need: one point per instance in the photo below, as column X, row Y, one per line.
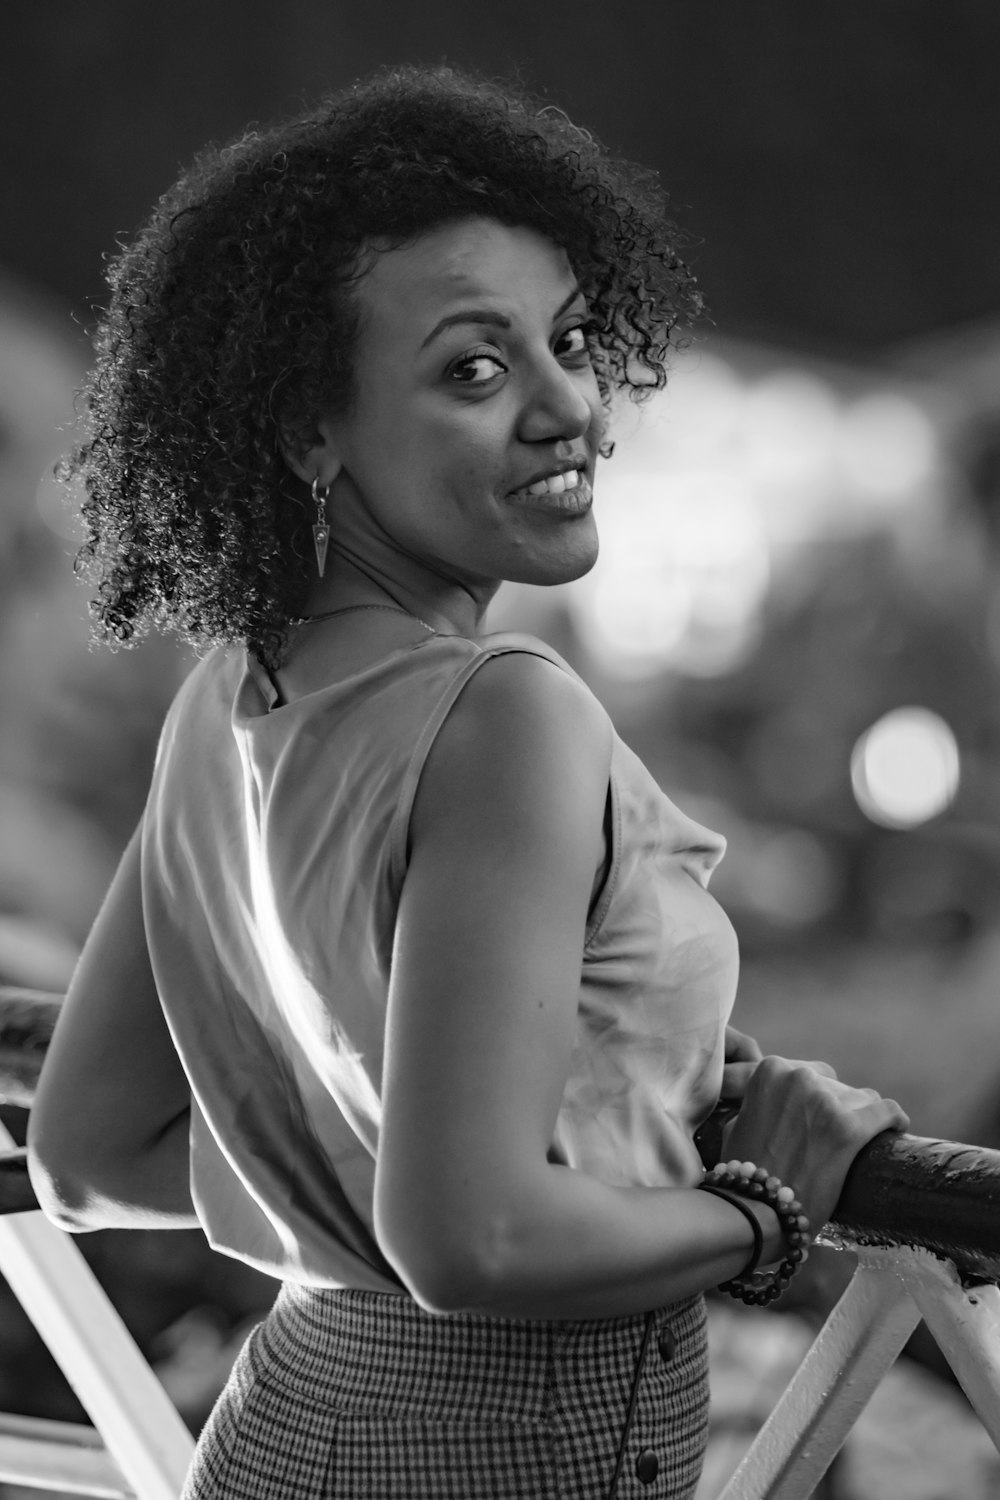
column 922, row 1217
column 138, row 1448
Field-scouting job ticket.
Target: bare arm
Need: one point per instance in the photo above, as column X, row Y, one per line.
column 108, row 1131
column 505, row 841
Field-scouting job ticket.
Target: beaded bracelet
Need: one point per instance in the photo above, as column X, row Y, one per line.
column 758, row 1234
column 748, row 1181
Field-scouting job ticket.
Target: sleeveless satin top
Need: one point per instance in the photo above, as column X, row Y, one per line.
column 274, row 852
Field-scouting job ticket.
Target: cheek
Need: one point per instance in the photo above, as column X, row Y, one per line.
column 598, row 413
column 467, row 458
column 461, row 453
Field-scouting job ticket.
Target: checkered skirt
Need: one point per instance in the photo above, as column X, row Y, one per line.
column 350, row 1395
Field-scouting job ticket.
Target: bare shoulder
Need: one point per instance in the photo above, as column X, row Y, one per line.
column 529, row 694
column 524, row 738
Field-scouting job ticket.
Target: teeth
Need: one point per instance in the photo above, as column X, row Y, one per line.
column 556, row 483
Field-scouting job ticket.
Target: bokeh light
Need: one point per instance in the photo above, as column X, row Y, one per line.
column 684, row 569
column 905, row 768
column 888, row 445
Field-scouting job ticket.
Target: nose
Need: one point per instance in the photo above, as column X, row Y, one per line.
column 559, row 402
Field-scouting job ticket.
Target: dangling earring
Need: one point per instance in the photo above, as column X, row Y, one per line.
column 321, row 530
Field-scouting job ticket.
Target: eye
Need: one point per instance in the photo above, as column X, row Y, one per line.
column 476, row 368
column 574, row 343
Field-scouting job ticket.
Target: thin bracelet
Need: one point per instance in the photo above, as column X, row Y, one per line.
column 745, row 1180
column 752, row 1220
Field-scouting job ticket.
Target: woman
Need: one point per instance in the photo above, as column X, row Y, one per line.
column 445, row 996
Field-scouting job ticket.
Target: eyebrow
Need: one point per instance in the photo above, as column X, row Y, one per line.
column 491, row 319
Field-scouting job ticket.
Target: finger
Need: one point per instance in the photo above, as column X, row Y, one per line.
column 873, row 1117
column 823, row 1069
column 735, row 1078
column 875, row 1105
column 740, row 1047
column 897, row 1114
column 775, row 1064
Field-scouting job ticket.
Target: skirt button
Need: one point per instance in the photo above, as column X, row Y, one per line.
column 647, row 1466
column 666, row 1345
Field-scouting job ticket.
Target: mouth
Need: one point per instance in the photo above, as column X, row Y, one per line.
column 566, row 489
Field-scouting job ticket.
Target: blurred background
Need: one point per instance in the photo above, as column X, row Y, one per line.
column 796, row 615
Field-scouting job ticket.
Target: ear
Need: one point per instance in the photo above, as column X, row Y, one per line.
column 312, row 452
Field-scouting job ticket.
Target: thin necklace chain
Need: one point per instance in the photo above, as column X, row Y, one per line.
column 347, row 609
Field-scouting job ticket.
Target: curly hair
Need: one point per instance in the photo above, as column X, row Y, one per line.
column 232, row 321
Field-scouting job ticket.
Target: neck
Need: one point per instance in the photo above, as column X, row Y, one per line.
column 353, row 578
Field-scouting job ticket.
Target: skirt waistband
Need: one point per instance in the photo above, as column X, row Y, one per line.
column 373, row 1351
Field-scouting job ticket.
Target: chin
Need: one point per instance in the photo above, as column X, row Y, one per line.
column 546, row 572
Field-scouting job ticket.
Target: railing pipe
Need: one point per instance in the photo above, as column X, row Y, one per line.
column 939, row 1195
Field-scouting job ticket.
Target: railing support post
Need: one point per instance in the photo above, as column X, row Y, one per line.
column 127, row 1404
column 965, row 1322
column 859, row 1341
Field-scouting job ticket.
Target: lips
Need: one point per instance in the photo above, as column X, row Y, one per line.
column 558, row 480
column 555, row 484
column 573, row 497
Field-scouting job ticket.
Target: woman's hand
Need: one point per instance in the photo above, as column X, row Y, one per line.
column 742, row 1055
column 801, row 1123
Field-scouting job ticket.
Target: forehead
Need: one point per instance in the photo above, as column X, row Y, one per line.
column 476, row 263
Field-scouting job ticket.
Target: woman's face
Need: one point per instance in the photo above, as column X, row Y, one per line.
column 471, row 443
